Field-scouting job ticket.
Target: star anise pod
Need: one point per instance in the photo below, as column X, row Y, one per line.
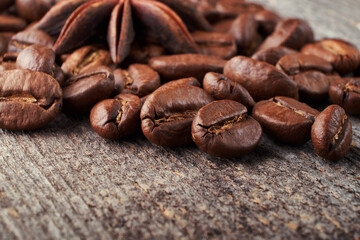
column 79, row 20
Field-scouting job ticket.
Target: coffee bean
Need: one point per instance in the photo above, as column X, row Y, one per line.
column 261, row 79
column 33, row 10
column 291, row 32
column 138, row 79
column 4, row 41
column 346, row 93
column 8, row 62
column 85, row 90
column 28, row 100
column 221, row 45
column 223, row 129
column 223, row 25
column 37, row 58
column 244, row 30
column 166, row 115
column 221, row 87
column 286, row 119
column 331, row 133
column 85, row 58
column 116, row 118
column 344, row 56
column 272, row 55
column 186, row 65
column 267, row 21
column 29, row 37
column 235, row 7
column 5, row 4
column 141, row 52
column 11, row 24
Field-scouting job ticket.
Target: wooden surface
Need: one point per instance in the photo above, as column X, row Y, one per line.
column 65, row 182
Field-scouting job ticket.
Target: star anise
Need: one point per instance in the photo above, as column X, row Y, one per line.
column 79, row 20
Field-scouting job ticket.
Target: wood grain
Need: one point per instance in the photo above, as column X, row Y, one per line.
column 65, row 182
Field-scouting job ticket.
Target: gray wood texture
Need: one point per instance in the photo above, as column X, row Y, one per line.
column 65, row 182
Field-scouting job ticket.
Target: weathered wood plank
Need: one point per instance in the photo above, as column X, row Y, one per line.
column 65, row 182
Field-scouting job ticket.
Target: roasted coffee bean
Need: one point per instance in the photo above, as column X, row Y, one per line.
column 28, row 99
column 85, row 90
column 223, row 25
column 313, row 86
column 296, row 63
column 29, row 37
column 138, row 79
column 267, row 21
column 221, row 45
column 331, row 133
column 272, row 55
column 33, row 10
column 286, row 119
column 8, row 62
column 37, row 58
column 116, row 118
column 4, row 41
column 85, row 58
column 186, row 65
column 141, row 52
column 244, row 30
column 11, row 23
column 346, row 93
column 166, row 115
column 261, row 79
column 223, row 129
column 344, row 56
column 235, row 7
column 59, row 75
column 221, row 87
column 5, row 4
column 291, row 32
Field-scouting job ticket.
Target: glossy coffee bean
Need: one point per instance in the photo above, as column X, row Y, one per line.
column 272, row 55
column 28, row 100
column 286, row 119
column 267, row 21
column 138, row 79
column 331, row 133
column 223, row 129
column 344, row 56
column 166, row 115
column 221, row 45
column 85, row 90
column 245, row 31
column 85, row 58
column 291, row 32
column 116, row 118
column 11, row 24
column 221, row 87
column 346, row 93
column 223, row 25
column 23, row 39
column 141, row 52
column 261, row 79
column 186, row 65
column 37, row 58
column 33, row 10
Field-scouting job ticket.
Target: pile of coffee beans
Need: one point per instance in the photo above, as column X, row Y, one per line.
column 248, row 71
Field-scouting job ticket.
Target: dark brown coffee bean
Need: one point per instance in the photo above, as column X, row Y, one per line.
column 85, row 58
column 221, row 87
column 223, row 25
column 221, row 45
column 116, row 118
column 286, row 119
column 29, row 37
column 223, row 129
column 261, row 79
column 291, row 32
column 5, row 4
column 235, row 7
column 186, row 65
column 267, row 21
column 33, row 10
column 11, row 23
column 37, row 58
column 85, row 90
column 313, row 86
column 245, row 31
column 296, row 63
column 344, row 56
column 28, row 99
column 346, row 93
column 138, row 79
column 331, row 133
column 141, row 52
column 272, row 55
column 166, row 115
